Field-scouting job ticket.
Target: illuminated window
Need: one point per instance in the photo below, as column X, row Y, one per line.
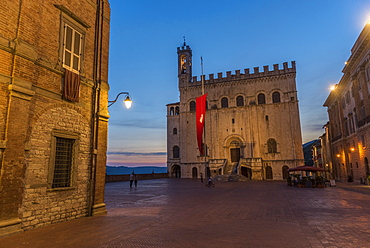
column 72, row 48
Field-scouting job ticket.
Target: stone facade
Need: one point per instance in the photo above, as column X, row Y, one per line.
column 40, row 42
column 348, row 106
column 252, row 125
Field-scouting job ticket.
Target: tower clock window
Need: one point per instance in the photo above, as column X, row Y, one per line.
column 183, row 64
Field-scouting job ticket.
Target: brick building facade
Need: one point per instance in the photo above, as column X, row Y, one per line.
column 53, row 111
column 348, row 106
column 252, row 123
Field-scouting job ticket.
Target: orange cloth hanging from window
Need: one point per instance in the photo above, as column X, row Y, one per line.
column 71, row 89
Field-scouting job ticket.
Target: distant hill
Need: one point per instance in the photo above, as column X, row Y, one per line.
column 123, row 170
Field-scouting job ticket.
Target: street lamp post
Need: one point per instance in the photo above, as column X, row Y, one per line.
column 127, row 101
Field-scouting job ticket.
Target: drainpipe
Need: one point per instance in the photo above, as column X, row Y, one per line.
column 95, row 102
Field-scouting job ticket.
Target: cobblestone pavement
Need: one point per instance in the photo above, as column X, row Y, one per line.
column 185, row 213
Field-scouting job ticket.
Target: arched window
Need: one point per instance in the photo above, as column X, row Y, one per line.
column 275, row 97
column 261, row 98
column 271, row 146
column 176, row 152
column 174, row 131
column 177, row 110
column 192, row 106
column 224, row 102
column 171, row 111
column 239, row 101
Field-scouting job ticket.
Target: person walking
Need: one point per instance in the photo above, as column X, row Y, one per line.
column 201, row 177
column 135, row 178
column 132, row 177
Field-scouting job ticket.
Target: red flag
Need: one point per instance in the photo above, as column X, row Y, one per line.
column 200, row 117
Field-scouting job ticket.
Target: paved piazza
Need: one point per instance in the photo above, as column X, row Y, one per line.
column 185, row 213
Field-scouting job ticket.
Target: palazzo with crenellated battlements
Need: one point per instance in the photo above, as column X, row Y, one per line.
column 252, row 127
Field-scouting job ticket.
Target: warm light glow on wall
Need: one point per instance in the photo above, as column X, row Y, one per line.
column 352, row 149
column 360, row 150
column 338, row 155
column 333, row 87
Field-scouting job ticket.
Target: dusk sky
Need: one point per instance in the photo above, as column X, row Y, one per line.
column 229, row 35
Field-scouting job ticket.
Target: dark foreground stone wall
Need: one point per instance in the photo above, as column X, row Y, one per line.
column 118, row 178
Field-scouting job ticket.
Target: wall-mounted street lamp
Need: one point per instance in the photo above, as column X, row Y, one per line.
column 127, row 101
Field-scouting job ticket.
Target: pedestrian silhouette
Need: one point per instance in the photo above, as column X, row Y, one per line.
column 132, row 177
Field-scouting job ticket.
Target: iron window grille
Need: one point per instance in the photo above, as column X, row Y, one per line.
column 63, row 162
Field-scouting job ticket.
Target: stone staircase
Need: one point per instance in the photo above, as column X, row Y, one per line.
column 231, row 178
column 231, row 174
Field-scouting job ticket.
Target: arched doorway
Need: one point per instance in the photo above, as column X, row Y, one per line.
column 268, row 171
column 285, row 173
column 194, row 172
column 235, row 154
column 247, row 172
column 234, row 151
column 176, row 171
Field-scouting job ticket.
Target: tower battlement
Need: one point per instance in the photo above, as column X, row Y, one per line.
column 184, row 47
column 247, row 74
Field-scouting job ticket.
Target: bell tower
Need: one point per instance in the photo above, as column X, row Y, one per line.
column 184, row 56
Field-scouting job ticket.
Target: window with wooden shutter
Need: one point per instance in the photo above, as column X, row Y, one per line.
column 72, row 49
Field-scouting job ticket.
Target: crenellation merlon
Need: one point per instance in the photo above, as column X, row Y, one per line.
column 247, row 75
column 186, row 47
